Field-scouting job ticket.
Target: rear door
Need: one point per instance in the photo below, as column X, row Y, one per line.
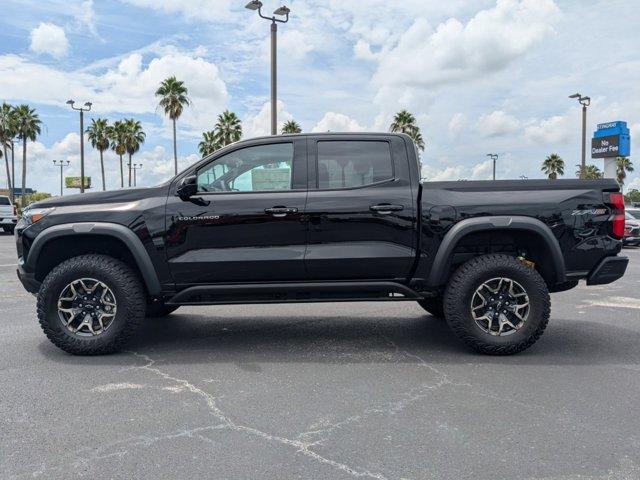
column 360, row 207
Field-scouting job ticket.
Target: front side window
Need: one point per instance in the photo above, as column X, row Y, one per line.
column 250, row 169
column 349, row 163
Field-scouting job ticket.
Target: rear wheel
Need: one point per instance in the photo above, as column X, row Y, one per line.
column 497, row 305
column 90, row 304
column 433, row 305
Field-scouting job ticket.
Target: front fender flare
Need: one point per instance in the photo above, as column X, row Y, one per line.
column 439, row 267
column 122, row 233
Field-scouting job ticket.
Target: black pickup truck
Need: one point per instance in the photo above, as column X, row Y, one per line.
column 319, row 218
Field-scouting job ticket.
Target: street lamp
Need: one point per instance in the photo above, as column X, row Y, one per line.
column 85, row 108
column 135, row 167
column 494, row 157
column 585, row 102
column 283, row 12
column 61, row 165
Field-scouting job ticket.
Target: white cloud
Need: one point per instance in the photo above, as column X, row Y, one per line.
column 337, row 122
column 363, row 51
column 479, row 171
column 205, row 10
column 85, row 17
column 454, row 51
column 553, row 130
column 129, row 87
column 259, row 125
column 482, row 171
column 50, row 39
column 497, row 123
column 457, row 124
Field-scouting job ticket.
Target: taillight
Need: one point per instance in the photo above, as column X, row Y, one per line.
column 616, row 200
column 15, row 210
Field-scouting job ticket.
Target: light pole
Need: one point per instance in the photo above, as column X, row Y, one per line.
column 135, row 167
column 85, row 108
column 585, row 102
column 61, row 165
column 494, row 157
column 282, row 11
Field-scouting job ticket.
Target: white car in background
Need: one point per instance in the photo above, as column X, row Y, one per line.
column 8, row 214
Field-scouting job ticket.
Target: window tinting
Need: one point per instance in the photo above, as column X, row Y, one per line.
column 251, row 169
column 4, row 201
column 344, row 164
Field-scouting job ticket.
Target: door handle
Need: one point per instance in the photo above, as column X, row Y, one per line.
column 386, row 208
column 280, row 211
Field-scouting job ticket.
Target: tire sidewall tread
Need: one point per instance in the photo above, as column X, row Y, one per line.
column 121, row 279
column 468, row 277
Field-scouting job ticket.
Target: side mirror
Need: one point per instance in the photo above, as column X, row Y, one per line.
column 188, row 187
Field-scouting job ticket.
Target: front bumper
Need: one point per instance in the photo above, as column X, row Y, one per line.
column 631, row 240
column 608, row 270
column 28, row 280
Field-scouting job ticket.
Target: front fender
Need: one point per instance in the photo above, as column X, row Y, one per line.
column 120, row 232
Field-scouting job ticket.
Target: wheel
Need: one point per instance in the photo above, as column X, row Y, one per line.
column 9, row 229
column 433, row 305
column 159, row 309
column 90, row 304
column 497, row 305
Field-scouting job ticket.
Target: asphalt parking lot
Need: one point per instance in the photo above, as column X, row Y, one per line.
column 335, row 391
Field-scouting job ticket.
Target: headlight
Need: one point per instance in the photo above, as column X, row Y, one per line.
column 33, row 215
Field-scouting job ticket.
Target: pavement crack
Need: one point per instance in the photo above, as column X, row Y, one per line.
column 299, row 446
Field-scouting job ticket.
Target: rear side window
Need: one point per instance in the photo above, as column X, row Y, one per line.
column 4, row 201
column 349, row 163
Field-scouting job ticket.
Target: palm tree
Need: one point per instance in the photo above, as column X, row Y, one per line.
column 623, row 165
column 405, row 122
column 173, row 99
column 291, row 127
column 117, row 136
column 553, row 166
column 28, row 127
column 209, row 143
column 98, row 135
column 7, row 133
column 133, row 140
column 228, row 128
column 591, row 172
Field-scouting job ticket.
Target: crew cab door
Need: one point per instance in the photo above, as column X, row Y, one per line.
column 361, row 209
column 245, row 222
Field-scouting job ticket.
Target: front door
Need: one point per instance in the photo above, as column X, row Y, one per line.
column 361, row 209
column 246, row 222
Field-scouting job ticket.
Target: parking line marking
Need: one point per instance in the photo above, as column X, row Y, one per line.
column 9, row 265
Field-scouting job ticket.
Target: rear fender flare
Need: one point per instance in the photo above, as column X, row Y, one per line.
column 439, row 268
column 120, row 232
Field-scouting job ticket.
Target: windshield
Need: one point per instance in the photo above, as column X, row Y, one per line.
column 634, row 214
column 4, row 201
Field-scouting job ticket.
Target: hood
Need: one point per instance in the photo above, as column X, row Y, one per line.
column 112, row 196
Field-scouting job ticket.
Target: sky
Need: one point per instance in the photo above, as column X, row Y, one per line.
column 481, row 76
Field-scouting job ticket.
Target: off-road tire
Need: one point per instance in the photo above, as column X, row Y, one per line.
column 463, row 284
column 159, row 309
column 123, row 282
column 434, row 306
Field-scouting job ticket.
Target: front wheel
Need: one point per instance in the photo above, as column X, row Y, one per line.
column 497, row 305
column 90, row 304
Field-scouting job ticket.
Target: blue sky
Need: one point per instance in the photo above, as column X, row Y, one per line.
column 481, row 76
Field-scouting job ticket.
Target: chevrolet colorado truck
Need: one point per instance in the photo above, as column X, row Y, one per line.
column 319, row 218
